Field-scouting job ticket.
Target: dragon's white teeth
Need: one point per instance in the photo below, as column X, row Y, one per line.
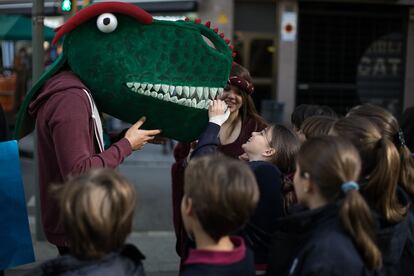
column 179, row 90
column 213, row 92
column 201, row 104
column 199, row 92
column 220, row 91
column 165, row 88
column 169, row 93
column 171, row 90
column 192, row 90
column 186, row 91
column 206, row 92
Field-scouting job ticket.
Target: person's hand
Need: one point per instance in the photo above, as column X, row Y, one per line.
column 139, row 137
column 218, row 112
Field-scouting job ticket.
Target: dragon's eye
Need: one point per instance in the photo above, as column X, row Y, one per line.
column 107, row 22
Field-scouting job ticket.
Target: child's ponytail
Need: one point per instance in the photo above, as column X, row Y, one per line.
column 357, row 220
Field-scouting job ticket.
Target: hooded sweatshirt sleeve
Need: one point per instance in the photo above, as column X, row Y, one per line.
column 74, row 142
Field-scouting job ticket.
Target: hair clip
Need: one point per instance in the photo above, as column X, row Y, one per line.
column 401, row 138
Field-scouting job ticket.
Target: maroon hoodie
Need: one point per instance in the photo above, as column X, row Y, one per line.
column 66, row 143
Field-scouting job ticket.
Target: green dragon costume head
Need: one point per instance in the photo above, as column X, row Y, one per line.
column 135, row 65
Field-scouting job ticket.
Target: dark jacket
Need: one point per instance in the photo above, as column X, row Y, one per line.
column 126, row 261
column 313, row 242
column 66, row 143
column 238, row 262
column 262, row 224
column 396, row 242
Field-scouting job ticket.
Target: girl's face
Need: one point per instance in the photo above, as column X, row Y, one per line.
column 232, row 98
column 301, row 185
column 259, row 144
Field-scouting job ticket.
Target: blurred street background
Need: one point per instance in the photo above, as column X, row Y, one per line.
column 338, row 53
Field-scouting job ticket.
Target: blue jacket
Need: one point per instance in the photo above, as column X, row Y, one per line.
column 125, row 262
column 313, row 242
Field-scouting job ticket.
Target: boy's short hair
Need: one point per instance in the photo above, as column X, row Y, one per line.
column 223, row 191
column 304, row 111
column 317, row 126
column 97, row 211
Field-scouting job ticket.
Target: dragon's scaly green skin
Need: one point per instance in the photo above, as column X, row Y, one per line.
column 164, row 70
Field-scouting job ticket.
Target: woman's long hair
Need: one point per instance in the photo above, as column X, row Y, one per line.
column 390, row 128
column 286, row 144
column 380, row 165
column 331, row 162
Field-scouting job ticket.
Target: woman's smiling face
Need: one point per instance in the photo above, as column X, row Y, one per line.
column 232, row 98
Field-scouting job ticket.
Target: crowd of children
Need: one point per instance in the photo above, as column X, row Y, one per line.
column 328, row 196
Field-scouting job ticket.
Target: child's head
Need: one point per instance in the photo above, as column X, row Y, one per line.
column 380, row 164
column 97, row 209
column 323, row 164
column 327, row 170
column 304, row 111
column 390, row 129
column 220, row 194
column 316, row 126
column 276, row 144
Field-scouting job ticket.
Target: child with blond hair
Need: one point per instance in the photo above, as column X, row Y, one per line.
column 97, row 212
